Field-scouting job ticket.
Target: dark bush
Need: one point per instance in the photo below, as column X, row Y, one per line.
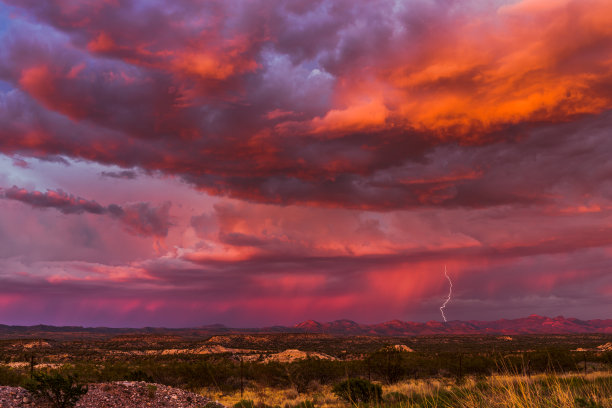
column 396, row 397
column 261, row 404
column 587, row 403
column 9, row 376
column 305, row 404
column 389, row 364
column 244, row 404
column 139, row 375
column 357, row 390
column 61, row 391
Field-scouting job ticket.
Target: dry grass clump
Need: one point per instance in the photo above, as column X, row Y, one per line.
column 274, row 397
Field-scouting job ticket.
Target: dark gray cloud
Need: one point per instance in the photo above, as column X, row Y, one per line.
column 138, row 218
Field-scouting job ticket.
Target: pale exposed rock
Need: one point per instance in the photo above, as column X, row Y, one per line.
column 216, row 349
column 36, row 344
column 219, row 339
column 174, row 351
column 605, row 347
column 398, row 347
column 292, row 355
column 18, row 364
column 252, row 357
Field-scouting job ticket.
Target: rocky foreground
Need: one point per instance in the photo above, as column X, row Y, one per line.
column 123, row 394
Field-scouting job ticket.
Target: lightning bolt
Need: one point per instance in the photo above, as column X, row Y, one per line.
column 450, row 292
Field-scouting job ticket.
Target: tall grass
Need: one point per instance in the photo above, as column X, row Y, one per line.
column 509, row 390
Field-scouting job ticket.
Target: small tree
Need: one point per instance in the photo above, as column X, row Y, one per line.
column 61, row 391
column 356, row 390
column 389, row 363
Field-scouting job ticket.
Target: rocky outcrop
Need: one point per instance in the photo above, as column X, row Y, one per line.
column 402, row 348
column 291, row 355
column 605, row 347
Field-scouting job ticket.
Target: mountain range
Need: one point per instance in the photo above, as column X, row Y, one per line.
column 533, row 324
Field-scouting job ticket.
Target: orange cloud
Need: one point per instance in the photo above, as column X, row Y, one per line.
column 367, row 114
column 533, row 61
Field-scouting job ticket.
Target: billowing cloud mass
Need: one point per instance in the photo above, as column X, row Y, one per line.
column 324, row 159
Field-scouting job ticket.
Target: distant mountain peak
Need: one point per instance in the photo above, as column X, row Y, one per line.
column 308, row 324
column 345, row 321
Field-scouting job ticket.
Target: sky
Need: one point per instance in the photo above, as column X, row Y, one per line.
column 257, row 162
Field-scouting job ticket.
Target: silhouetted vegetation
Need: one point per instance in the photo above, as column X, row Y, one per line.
column 61, row 391
column 356, row 390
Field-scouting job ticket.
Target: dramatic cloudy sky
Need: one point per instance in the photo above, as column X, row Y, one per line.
column 256, row 162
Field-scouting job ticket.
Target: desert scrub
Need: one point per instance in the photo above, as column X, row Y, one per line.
column 396, row 397
column 151, row 390
column 11, row 377
column 61, row 391
column 355, row 390
column 244, row 404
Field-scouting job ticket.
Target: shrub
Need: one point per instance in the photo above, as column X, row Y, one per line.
column 139, row 375
column 61, row 391
column 244, row 404
column 358, row 390
column 305, row 404
column 151, row 390
column 389, row 364
column 396, row 397
column 262, row 404
column 584, row 403
column 212, row 404
column 9, row 376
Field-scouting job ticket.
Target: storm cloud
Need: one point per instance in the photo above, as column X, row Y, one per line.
column 324, row 159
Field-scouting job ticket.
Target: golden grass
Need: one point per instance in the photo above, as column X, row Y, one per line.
column 560, row 391
column 593, row 390
column 323, row 397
